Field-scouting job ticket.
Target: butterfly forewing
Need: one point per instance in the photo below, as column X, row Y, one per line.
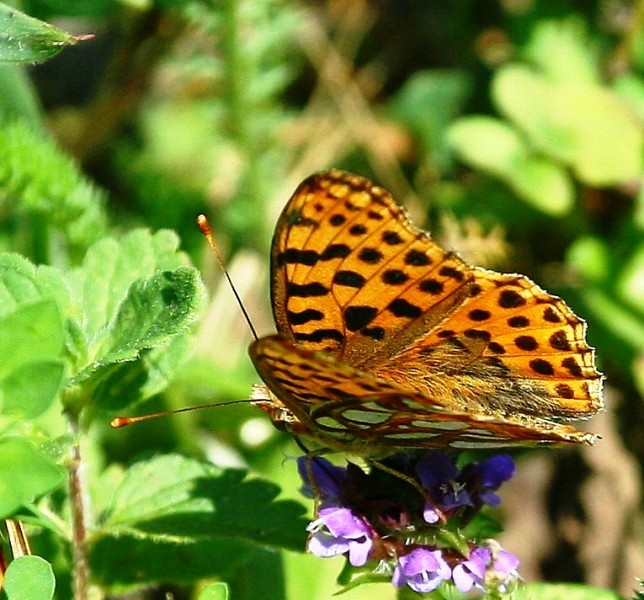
column 389, row 340
column 349, row 269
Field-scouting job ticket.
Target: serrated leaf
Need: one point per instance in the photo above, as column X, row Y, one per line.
column 69, row 201
column 154, row 309
column 584, row 126
column 111, row 266
column 177, row 519
column 25, row 473
column 186, row 499
column 25, row 39
column 29, row 578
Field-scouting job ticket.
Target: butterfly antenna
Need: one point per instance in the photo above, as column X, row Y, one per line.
column 118, row 422
column 206, row 230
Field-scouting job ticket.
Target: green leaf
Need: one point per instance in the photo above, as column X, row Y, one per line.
column 631, row 281
column 132, row 296
column 428, row 102
column 126, row 383
column 109, row 269
column 29, row 578
column 590, row 256
column 25, row 473
column 616, row 318
column 544, row 184
column 31, row 388
column 154, row 309
column 487, row 143
column 582, row 125
column 31, row 343
column 25, row 39
column 68, row 200
column 18, row 97
column 176, row 496
column 495, row 147
column 630, row 87
column 31, row 332
column 182, row 518
column 564, row 591
column 214, row 591
column 129, row 559
column 560, row 49
column 21, row 282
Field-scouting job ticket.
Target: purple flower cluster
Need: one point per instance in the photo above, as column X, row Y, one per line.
column 367, row 518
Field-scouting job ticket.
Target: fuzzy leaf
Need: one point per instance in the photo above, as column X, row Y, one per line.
column 176, row 496
column 68, row 201
column 173, row 512
column 154, row 310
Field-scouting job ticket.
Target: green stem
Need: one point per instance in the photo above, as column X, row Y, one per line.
column 77, row 498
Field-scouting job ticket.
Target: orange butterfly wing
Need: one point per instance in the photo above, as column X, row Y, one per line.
column 389, row 341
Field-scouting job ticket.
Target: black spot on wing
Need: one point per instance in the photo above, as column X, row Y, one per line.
column 402, row 308
column 335, row 251
column 349, row 279
column 320, row 335
column 357, row 317
column 511, row 299
column 306, row 316
column 306, row 290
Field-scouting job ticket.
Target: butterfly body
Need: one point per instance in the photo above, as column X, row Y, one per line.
column 388, row 341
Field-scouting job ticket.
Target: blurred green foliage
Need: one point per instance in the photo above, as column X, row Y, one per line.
column 515, row 128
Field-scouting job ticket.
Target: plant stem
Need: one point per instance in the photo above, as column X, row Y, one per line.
column 80, row 571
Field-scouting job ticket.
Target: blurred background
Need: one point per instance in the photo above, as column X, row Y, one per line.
column 510, row 129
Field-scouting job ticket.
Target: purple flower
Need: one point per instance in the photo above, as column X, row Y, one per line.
column 438, row 475
column 422, row 570
column 487, row 476
column 471, row 572
column 328, row 479
column 336, row 531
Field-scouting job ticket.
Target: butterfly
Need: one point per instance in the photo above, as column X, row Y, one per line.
column 385, row 341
